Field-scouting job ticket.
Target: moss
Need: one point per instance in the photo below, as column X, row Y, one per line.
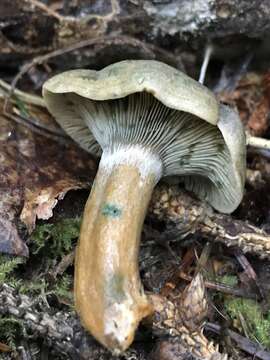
column 8, row 265
column 49, row 244
column 33, row 287
column 34, row 276
column 62, row 289
column 56, row 239
column 229, row 280
column 10, row 331
column 248, row 317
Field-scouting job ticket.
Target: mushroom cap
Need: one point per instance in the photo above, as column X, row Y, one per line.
column 182, row 120
column 170, row 86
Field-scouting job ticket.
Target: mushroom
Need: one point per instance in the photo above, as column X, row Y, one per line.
column 147, row 120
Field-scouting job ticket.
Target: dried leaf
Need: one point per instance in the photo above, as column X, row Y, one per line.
column 258, row 121
column 252, row 98
column 4, row 347
column 35, row 172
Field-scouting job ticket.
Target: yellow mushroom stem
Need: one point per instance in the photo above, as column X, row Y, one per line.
column 109, row 297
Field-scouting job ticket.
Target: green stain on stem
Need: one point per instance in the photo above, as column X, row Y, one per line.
column 115, row 289
column 111, row 210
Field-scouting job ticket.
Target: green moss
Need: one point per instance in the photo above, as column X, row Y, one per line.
column 10, row 331
column 33, row 287
column 34, row 276
column 56, row 239
column 62, row 288
column 229, row 280
column 8, row 265
column 248, row 317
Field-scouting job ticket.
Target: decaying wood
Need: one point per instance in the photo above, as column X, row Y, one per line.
column 30, row 27
column 185, row 214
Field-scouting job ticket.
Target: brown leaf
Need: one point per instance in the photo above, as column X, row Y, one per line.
column 39, row 203
column 258, row 121
column 252, row 98
column 35, row 172
column 4, row 347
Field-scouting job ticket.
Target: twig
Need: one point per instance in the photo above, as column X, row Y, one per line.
column 257, row 142
column 220, row 287
column 243, row 343
column 147, row 48
column 84, row 19
column 5, row 89
column 49, row 11
column 248, row 269
column 207, row 55
column 38, row 127
column 66, row 261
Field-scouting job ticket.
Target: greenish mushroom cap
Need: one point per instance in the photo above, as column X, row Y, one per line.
column 149, row 104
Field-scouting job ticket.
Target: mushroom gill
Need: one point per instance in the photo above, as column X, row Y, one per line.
column 185, row 145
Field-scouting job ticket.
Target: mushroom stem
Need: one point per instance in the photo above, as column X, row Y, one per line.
column 108, row 293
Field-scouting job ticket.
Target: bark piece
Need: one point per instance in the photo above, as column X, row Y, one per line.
column 30, row 27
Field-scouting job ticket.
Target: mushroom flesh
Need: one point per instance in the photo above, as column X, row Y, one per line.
column 146, row 120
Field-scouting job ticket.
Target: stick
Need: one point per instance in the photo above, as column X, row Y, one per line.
column 258, row 142
column 184, row 214
column 207, row 55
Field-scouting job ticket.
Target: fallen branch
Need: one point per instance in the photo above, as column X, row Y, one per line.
column 243, row 343
column 185, row 214
column 5, row 89
column 258, row 142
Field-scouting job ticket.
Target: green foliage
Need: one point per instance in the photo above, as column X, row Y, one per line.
column 50, row 243
column 62, row 288
column 229, row 280
column 8, row 265
column 248, row 316
column 56, row 239
column 10, row 330
column 32, row 287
